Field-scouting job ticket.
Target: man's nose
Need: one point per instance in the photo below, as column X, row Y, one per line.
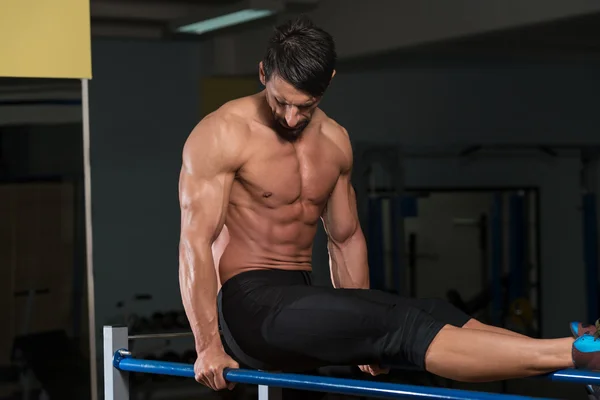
column 291, row 116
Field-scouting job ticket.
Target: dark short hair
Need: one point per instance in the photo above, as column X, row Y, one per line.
column 301, row 54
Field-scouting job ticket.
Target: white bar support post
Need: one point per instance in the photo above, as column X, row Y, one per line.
column 269, row 393
column 87, row 179
column 116, row 383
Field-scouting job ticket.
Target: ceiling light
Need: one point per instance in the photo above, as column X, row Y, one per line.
column 222, row 21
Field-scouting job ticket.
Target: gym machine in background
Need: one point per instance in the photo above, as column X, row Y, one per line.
column 378, row 180
column 503, row 225
column 514, row 261
column 589, row 214
column 483, row 241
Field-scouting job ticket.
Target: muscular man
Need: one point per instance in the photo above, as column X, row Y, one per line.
column 258, row 176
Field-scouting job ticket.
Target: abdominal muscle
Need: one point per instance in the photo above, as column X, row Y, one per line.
column 252, row 240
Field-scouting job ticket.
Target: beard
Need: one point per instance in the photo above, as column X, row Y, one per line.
column 287, row 133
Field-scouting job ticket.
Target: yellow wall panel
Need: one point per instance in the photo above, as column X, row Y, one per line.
column 217, row 91
column 45, row 39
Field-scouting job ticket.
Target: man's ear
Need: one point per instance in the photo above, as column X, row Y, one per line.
column 261, row 73
column 333, row 74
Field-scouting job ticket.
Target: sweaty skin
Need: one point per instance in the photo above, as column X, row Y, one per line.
column 251, row 198
column 252, row 190
column 281, row 192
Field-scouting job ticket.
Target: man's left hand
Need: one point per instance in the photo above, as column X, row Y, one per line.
column 373, row 369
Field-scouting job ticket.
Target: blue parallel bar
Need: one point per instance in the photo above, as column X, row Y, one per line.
column 590, row 252
column 313, row 383
column 130, row 364
column 575, row 376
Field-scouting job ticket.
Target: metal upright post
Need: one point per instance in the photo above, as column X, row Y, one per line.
column 87, row 181
column 396, row 166
column 269, row 393
column 116, row 383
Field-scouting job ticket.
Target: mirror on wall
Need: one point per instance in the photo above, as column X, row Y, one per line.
column 43, row 295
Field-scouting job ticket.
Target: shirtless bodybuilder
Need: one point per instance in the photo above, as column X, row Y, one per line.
column 258, row 176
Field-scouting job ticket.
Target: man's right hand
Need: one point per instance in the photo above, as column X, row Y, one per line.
column 209, row 369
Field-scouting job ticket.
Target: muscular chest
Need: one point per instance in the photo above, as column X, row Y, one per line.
column 287, row 174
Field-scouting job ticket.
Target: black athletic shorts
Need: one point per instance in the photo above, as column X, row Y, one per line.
column 277, row 320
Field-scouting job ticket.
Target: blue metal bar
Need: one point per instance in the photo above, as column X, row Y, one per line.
column 575, row 376
column 314, row 383
column 590, row 252
column 131, row 364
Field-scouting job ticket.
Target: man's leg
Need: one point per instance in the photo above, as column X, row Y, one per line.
column 480, row 326
column 585, row 353
column 445, row 312
column 474, row 355
column 342, row 326
column 468, row 350
column 453, row 361
column 301, row 326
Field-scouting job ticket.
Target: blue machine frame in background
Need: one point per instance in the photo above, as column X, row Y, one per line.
column 497, row 252
column 369, row 207
column 517, row 248
column 396, row 214
column 590, row 252
column 400, row 207
column 375, row 244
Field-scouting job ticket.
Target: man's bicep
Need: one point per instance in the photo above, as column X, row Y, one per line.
column 203, row 202
column 341, row 219
column 211, row 156
column 204, row 187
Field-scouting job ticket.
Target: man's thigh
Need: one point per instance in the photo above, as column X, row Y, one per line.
column 299, row 327
column 439, row 309
column 317, row 326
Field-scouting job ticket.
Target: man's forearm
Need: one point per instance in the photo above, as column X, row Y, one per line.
column 198, row 287
column 349, row 264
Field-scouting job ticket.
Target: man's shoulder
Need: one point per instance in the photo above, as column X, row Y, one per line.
column 332, row 129
column 233, row 118
column 222, row 124
column 220, row 134
column 339, row 136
